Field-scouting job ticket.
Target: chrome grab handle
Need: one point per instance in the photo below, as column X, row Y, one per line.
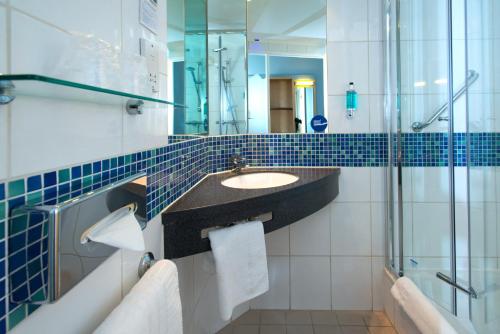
column 471, row 78
column 471, row 292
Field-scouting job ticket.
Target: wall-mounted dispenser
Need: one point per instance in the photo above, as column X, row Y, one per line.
column 67, row 253
column 351, row 100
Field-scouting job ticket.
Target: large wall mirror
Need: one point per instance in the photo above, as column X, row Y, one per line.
column 246, row 66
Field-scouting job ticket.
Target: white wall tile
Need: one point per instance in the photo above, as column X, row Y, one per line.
column 339, row 123
column 378, row 274
column 376, row 67
column 352, row 283
column 145, row 131
column 4, row 144
column 32, row 35
column 378, row 180
column 431, row 229
column 376, row 20
column 347, row 20
column 79, row 310
column 483, row 220
column 311, row 235
column 378, row 219
column 278, row 296
column 101, row 19
column 377, row 122
column 430, row 184
column 278, row 242
column 354, row 185
column 347, row 62
column 310, row 282
column 48, row 134
column 3, row 40
column 483, row 181
column 425, row 61
column 351, row 230
column 423, row 20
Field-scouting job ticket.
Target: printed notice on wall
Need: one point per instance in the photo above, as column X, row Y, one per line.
column 148, row 15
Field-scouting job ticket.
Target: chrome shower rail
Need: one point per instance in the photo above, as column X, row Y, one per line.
column 471, row 78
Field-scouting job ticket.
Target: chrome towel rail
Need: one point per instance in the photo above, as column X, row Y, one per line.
column 471, row 78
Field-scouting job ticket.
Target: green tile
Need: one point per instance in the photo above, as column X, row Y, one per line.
column 17, row 316
column 2, row 230
column 87, row 181
column 96, row 178
column 2, row 210
column 63, row 198
column 16, row 188
column 63, row 175
column 35, row 198
column 18, row 224
column 45, row 229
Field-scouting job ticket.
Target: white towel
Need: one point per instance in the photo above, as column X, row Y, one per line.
column 153, row 306
column 425, row 316
column 240, row 263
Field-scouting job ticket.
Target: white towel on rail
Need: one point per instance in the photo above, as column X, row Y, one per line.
column 240, row 263
column 425, row 316
column 153, row 306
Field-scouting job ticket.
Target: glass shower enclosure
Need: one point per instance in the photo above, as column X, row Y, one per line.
column 442, row 85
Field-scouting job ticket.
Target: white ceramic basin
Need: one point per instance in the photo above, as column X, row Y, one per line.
column 259, row 180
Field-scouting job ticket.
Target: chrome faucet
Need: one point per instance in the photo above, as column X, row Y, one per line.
column 237, row 162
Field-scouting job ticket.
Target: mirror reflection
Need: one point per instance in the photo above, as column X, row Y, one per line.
column 238, row 67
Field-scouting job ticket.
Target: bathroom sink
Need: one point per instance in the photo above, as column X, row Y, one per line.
column 260, row 180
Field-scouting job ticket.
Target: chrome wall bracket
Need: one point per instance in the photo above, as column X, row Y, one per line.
column 134, row 107
column 6, row 92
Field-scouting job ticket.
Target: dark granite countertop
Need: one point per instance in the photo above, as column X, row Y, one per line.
column 210, row 204
column 211, row 192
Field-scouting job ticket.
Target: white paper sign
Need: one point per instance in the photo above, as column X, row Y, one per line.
column 148, row 15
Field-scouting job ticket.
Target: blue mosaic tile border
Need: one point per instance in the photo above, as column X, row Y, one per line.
column 175, row 168
column 431, row 149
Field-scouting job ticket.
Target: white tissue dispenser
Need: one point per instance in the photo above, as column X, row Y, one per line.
column 68, row 260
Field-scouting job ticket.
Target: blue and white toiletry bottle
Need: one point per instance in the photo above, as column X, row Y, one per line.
column 351, row 100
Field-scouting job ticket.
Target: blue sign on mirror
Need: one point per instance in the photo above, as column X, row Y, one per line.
column 319, row 123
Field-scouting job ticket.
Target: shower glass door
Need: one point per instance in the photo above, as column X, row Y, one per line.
column 427, row 195
column 482, row 45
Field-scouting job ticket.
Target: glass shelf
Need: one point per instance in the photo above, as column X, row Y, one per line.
column 12, row 85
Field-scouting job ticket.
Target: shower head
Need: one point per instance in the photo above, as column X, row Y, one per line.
column 190, row 69
column 219, row 49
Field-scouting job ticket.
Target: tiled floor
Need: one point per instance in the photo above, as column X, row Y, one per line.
column 310, row 322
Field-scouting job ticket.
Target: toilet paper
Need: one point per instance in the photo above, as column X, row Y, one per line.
column 119, row 229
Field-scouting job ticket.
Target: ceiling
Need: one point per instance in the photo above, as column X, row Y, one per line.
column 268, row 20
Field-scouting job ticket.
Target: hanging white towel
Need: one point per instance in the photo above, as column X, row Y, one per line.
column 425, row 316
column 153, row 306
column 240, row 263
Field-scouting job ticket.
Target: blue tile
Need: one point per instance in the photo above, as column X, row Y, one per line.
column 49, row 179
column 2, row 191
column 76, row 172
column 96, row 167
column 34, row 182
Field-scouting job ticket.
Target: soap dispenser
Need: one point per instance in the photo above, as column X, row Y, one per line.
column 351, row 100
